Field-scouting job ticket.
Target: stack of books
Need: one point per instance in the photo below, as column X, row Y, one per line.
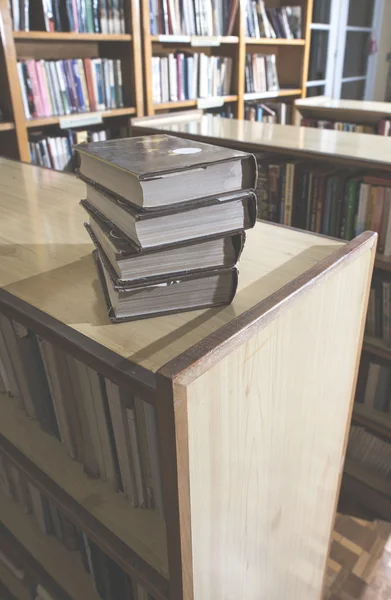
column 272, row 112
column 282, row 22
column 109, row 580
column 63, row 87
column 167, row 217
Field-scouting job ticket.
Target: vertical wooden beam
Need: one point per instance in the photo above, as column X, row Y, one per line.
column 241, row 58
column 147, row 56
column 15, row 93
column 306, row 55
column 137, row 56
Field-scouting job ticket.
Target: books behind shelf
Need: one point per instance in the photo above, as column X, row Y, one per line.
column 140, row 171
column 382, row 128
column 325, row 200
column 374, row 389
column 179, row 76
column 71, row 401
column 378, row 323
column 193, row 17
column 55, row 152
column 108, row 579
column 272, row 112
column 262, row 22
column 373, row 453
column 83, row 16
column 63, row 87
column 261, row 73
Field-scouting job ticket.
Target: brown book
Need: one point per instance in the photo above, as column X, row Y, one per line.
column 165, row 296
column 232, row 16
column 157, row 171
column 90, row 84
column 130, row 265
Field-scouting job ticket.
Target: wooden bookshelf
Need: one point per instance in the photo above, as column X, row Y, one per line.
column 183, row 365
column 6, row 126
column 335, row 148
column 377, row 421
column 367, row 487
column 292, row 58
column 17, row 45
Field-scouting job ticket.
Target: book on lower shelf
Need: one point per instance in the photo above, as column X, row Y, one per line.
column 108, row 579
column 272, row 112
column 71, row 401
column 327, row 200
column 261, row 73
column 180, row 76
column 277, row 22
column 374, row 386
column 382, row 128
column 65, row 87
column 193, row 17
column 378, row 323
column 84, row 16
column 370, row 451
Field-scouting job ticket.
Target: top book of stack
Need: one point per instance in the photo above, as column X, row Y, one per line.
column 159, row 171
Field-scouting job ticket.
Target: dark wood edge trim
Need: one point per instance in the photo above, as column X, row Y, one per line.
column 105, row 361
column 35, row 571
column 109, row 543
column 194, row 361
column 168, row 433
column 259, row 147
column 352, row 396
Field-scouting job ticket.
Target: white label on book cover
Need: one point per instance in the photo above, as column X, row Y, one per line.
column 201, row 40
column 210, row 102
column 174, row 38
column 83, row 120
column 259, row 95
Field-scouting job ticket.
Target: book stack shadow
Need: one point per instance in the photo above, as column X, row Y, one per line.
column 167, row 217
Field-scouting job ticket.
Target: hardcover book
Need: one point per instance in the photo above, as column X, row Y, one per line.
column 157, row 171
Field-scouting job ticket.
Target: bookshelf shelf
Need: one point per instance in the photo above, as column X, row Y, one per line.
column 190, row 103
column 274, row 42
column 375, row 420
column 197, row 41
column 61, row 565
column 7, row 126
column 377, row 347
column 372, row 490
column 277, row 94
column 87, row 502
column 57, row 36
column 106, row 114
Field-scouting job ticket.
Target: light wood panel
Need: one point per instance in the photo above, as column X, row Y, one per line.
column 63, row 566
column 142, row 530
column 106, row 114
column 65, row 36
column 274, row 42
column 6, row 126
column 263, row 468
column 339, row 147
column 366, row 112
column 47, row 262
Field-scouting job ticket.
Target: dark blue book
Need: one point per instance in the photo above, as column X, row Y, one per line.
column 79, row 89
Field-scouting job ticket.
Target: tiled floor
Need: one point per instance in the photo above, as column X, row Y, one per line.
column 359, row 566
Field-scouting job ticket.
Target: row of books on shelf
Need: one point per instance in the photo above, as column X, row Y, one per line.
column 331, row 201
column 187, row 77
column 378, row 323
column 370, row 451
column 55, row 152
column 81, row 16
column 261, row 73
column 272, row 112
column 281, row 22
column 382, row 128
column 112, row 433
column 108, row 579
column 64, row 87
column 193, row 17
column 374, row 389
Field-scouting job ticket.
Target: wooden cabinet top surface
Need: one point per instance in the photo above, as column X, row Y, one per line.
column 46, row 261
column 365, row 112
column 336, row 146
